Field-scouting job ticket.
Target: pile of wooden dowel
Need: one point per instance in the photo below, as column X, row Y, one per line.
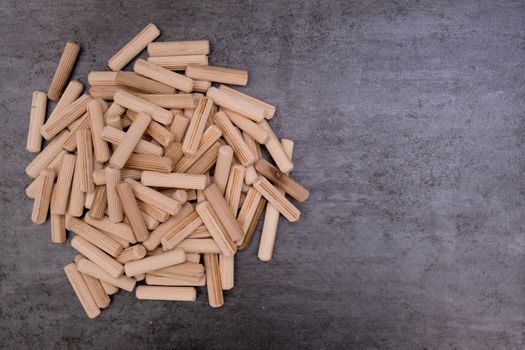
column 154, row 169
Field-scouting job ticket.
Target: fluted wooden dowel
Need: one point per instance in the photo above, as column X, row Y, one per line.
column 179, row 126
column 210, row 136
column 248, row 210
column 179, row 48
column 93, row 253
column 96, row 117
column 217, row 74
column 277, row 199
column 268, row 109
column 227, row 270
column 63, row 71
column 284, row 163
column 225, row 215
column 44, row 158
column 85, row 160
column 157, row 131
column 95, row 237
column 213, row 280
column 81, row 290
column 137, row 104
column 178, row 62
column 90, row 268
column 76, row 196
column 282, row 181
column 154, row 198
column 225, row 100
column 234, row 138
column 222, row 167
column 140, row 84
column 155, row 262
column 43, row 197
column 65, row 117
column 71, row 93
column 234, row 187
column 115, row 136
column 196, row 127
column 133, row 135
column 156, row 280
column 100, row 202
column 113, row 177
column 61, row 190
column 135, row 252
column 163, row 75
column 258, row 133
column 174, row 180
column 132, row 211
column 181, row 231
column 97, row 291
column 58, row 228
column 133, row 47
column 36, row 120
column 216, row 229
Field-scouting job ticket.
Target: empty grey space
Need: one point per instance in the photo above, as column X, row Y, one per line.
column 408, row 122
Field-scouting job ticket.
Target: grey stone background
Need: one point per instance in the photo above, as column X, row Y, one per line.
column 409, row 131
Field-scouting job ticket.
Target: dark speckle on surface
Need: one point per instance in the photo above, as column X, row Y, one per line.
column 408, row 122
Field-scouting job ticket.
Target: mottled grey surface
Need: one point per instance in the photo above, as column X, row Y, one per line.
column 408, row 123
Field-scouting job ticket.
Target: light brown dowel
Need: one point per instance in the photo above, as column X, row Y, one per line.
column 234, row 187
column 115, row 136
column 231, row 103
column 96, row 118
column 85, row 160
column 217, row 74
column 60, row 196
column 111, row 266
column 133, row 135
column 154, row 198
column 58, row 228
column 179, row 48
column 178, row 62
column 282, row 181
column 213, row 280
column 138, row 83
column 269, row 110
column 234, row 138
column 95, row 237
column 63, row 71
column 36, row 120
column 72, row 92
column 120, row 229
column 90, row 268
column 173, row 180
column 133, row 47
column 45, row 157
column 137, row 104
column 81, row 290
column 132, row 211
column 216, row 229
column 222, row 167
column 65, row 117
column 163, row 75
column 225, row 215
column 196, row 128
column 135, row 252
column 166, row 293
column 151, row 263
column 43, row 197
column 113, row 177
column 253, row 129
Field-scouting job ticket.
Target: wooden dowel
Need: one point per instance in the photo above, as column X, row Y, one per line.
column 96, row 118
column 95, row 237
column 173, row 224
column 248, row 210
column 109, row 288
column 85, row 160
column 166, row 293
column 174, row 180
column 206, row 161
column 178, row 62
column 102, row 78
column 196, row 128
column 181, row 231
column 96, row 255
column 156, row 130
column 76, row 196
column 113, row 177
column 58, row 228
column 36, row 121
column 60, row 196
column 137, row 82
column 152, row 279
column 32, row 189
column 135, row 252
column 63, row 71
column 137, row 104
column 130, row 141
column 277, row 199
column 269, row 110
column 107, row 92
column 233, row 189
column 44, row 158
column 222, row 167
column 213, row 280
column 282, row 181
column 154, row 198
column 227, row 269
column 200, row 232
column 253, row 129
column 170, row 101
column 132, row 211
column 92, row 269
column 65, row 117
column 149, row 162
column 163, row 75
column 275, row 149
column 179, row 126
column 100, row 202
column 216, row 229
column 99, row 175
column 231, row 103
column 250, row 174
column 157, row 214
column 133, row 47
column 187, row 270
column 217, row 74
column 140, row 277
column 201, row 85
column 151, row 263
column 234, row 138
column 248, row 237
column 43, row 197
column 81, row 290
column 179, row 48
column 97, row 291
column 225, row 215
column 113, row 112
column 80, row 124
column 116, row 136
column 121, row 230
column 72, row 92
column 210, row 136
column 201, row 246
column 174, row 151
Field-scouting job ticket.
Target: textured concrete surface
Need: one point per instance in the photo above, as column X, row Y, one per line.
column 408, row 122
